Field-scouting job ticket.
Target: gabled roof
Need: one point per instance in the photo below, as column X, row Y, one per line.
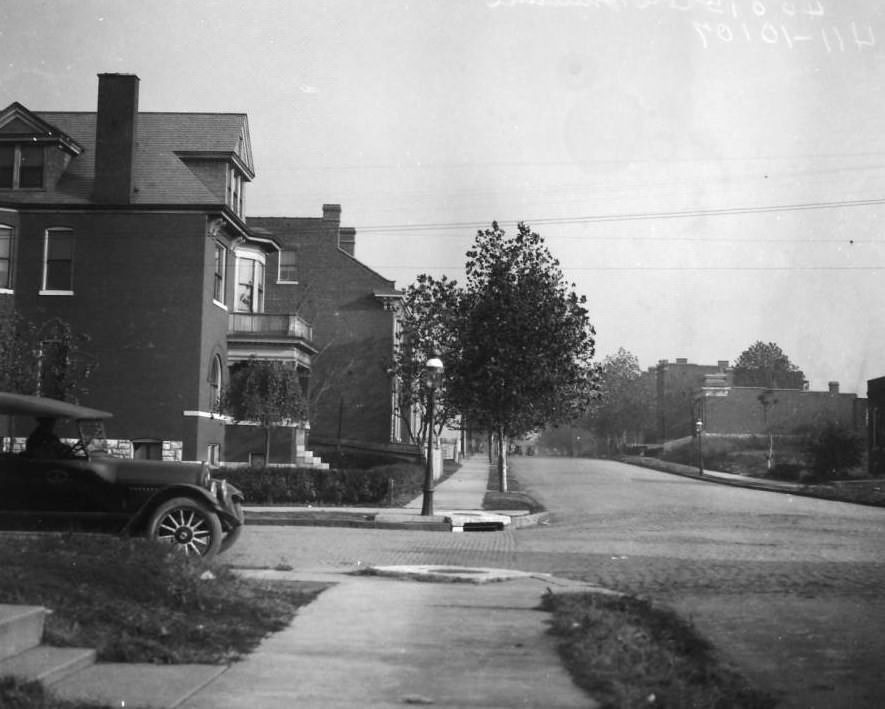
column 17, row 122
column 164, row 143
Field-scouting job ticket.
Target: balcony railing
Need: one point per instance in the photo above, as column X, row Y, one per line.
column 284, row 325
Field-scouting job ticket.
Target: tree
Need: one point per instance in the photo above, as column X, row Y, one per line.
column 266, row 392
column 625, row 399
column 426, row 329
column 523, row 344
column 45, row 359
column 766, row 365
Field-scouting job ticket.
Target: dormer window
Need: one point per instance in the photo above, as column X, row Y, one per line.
column 21, row 166
column 235, row 186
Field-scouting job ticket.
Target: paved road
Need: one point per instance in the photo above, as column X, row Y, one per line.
column 791, row 589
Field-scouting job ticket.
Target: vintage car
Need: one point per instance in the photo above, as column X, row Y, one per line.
column 75, row 484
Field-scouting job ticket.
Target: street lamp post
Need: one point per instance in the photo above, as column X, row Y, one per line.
column 699, row 428
column 433, row 371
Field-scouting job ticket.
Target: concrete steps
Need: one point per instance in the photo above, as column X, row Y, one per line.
column 71, row 673
column 22, row 654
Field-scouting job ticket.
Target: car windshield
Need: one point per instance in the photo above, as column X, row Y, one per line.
column 92, row 435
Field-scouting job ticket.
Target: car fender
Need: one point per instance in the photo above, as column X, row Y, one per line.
column 195, row 492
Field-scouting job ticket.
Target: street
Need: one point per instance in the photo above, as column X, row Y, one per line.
column 789, row 589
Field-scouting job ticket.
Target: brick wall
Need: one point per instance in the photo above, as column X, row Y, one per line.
column 350, row 389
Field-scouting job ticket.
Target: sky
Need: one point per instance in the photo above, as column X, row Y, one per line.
column 709, row 173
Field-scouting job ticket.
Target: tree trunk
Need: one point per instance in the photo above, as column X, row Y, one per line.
column 502, row 460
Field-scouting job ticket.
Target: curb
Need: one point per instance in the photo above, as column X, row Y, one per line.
column 387, row 519
column 690, row 472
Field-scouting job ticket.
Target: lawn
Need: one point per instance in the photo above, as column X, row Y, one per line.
column 626, row 652
column 137, row 601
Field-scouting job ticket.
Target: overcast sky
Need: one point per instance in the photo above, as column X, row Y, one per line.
column 709, row 172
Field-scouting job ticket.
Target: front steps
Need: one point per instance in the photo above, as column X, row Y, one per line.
column 22, row 655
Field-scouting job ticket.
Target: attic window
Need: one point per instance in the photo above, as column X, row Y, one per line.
column 21, row 166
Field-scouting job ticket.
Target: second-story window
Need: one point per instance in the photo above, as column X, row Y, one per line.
column 6, row 244
column 250, row 284
column 21, row 166
column 58, row 261
column 220, row 269
column 288, row 271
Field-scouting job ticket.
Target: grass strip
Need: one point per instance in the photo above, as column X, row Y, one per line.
column 625, row 652
column 138, row 601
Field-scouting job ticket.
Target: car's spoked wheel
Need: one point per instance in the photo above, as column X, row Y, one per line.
column 188, row 525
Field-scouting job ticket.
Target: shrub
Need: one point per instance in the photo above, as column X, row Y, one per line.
column 832, row 449
column 311, row 486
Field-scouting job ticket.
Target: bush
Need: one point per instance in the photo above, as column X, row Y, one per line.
column 832, row 449
column 311, row 486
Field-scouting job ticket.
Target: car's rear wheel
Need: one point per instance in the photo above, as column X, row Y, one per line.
column 190, row 526
column 231, row 537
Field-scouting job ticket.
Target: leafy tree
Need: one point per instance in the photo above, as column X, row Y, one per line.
column 626, row 399
column 523, row 343
column 266, row 392
column 426, row 329
column 765, row 365
column 46, row 359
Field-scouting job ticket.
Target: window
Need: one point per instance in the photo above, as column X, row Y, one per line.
column 213, row 453
column 288, row 272
column 220, row 268
column 250, row 285
column 235, row 190
column 216, row 381
column 147, row 450
column 6, row 235
column 21, row 166
column 58, row 261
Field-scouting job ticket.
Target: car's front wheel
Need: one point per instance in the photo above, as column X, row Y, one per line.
column 192, row 527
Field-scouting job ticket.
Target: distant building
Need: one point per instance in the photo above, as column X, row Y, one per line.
column 876, row 425
column 686, row 392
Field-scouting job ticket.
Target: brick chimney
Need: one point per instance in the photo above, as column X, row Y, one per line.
column 347, row 240
column 332, row 212
column 115, row 137
column 834, row 387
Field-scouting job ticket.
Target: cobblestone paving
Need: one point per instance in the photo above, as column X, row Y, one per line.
column 790, row 589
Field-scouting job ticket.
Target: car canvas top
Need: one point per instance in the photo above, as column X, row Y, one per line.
column 38, row 407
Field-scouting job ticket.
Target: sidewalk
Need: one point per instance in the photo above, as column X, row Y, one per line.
column 380, row 639
column 457, row 506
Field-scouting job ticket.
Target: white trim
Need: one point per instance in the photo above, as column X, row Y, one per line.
column 221, row 305
column 6, row 291
column 222, row 418
column 55, row 292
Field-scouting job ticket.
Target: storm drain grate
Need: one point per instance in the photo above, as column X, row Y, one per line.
column 483, row 526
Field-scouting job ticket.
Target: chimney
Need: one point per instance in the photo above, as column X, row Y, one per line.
column 347, row 240
column 115, row 136
column 332, row 212
column 681, row 360
column 834, row 387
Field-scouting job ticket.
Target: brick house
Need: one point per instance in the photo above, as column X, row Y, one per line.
column 130, row 226
column 354, row 311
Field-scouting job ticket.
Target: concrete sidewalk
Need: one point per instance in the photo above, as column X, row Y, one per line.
column 457, row 506
column 371, row 641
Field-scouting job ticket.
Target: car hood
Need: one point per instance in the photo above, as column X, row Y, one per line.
column 148, row 473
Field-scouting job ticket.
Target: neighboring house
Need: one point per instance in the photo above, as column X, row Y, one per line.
column 130, row 226
column 354, row 311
